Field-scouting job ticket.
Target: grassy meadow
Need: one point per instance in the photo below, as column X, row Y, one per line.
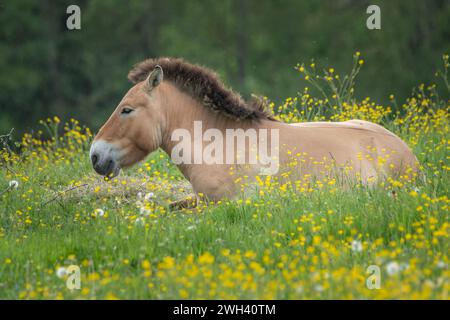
column 285, row 241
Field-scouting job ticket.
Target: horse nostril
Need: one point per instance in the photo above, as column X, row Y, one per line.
column 94, row 159
column 110, row 165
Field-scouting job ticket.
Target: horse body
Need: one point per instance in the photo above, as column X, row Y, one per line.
column 153, row 109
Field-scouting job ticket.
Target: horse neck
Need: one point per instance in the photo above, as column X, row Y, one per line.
column 181, row 111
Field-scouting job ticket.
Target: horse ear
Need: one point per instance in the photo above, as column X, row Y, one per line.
column 154, row 78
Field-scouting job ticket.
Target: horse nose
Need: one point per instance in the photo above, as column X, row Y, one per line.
column 103, row 158
column 103, row 167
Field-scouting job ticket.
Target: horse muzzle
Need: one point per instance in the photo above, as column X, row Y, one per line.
column 104, row 159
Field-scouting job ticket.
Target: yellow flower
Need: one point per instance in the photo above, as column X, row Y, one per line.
column 206, row 258
column 257, row 267
column 167, row 263
column 183, row 294
column 413, row 193
column 146, row 265
column 111, row 296
column 250, row 254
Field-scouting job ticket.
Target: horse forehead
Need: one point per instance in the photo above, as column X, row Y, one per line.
column 135, row 95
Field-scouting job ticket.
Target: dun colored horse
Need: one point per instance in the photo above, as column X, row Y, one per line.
column 170, row 95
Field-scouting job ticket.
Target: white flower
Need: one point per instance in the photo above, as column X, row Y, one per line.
column 99, row 213
column 14, row 184
column 139, row 221
column 144, row 211
column 149, row 196
column 356, row 246
column 318, row 288
column 392, row 268
column 441, row 265
column 61, row 272
column 416, row 189
column 191, row 227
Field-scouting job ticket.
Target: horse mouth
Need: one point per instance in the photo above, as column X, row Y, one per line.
column 114, row 173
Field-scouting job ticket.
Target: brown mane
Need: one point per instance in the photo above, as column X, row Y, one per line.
column 204, row 85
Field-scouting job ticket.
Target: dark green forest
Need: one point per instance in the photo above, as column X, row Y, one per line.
column 47, row 70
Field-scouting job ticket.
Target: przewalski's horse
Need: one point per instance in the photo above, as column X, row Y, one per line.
column 172, row 96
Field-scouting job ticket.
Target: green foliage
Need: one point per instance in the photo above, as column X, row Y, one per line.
column 48, row 70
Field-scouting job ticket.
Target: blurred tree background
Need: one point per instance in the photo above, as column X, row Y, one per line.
column 46, row 69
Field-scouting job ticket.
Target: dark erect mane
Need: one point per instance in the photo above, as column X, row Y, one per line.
column 204, row 85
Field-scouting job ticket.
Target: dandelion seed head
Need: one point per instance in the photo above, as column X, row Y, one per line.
column 14, row 184
column 392, row 268
column 99, row 212
column 61, row 272
column 356, row 246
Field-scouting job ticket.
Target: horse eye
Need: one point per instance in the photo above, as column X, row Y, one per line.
column 126, row 110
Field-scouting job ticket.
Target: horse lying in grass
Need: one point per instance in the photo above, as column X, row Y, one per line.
column 171, row 98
